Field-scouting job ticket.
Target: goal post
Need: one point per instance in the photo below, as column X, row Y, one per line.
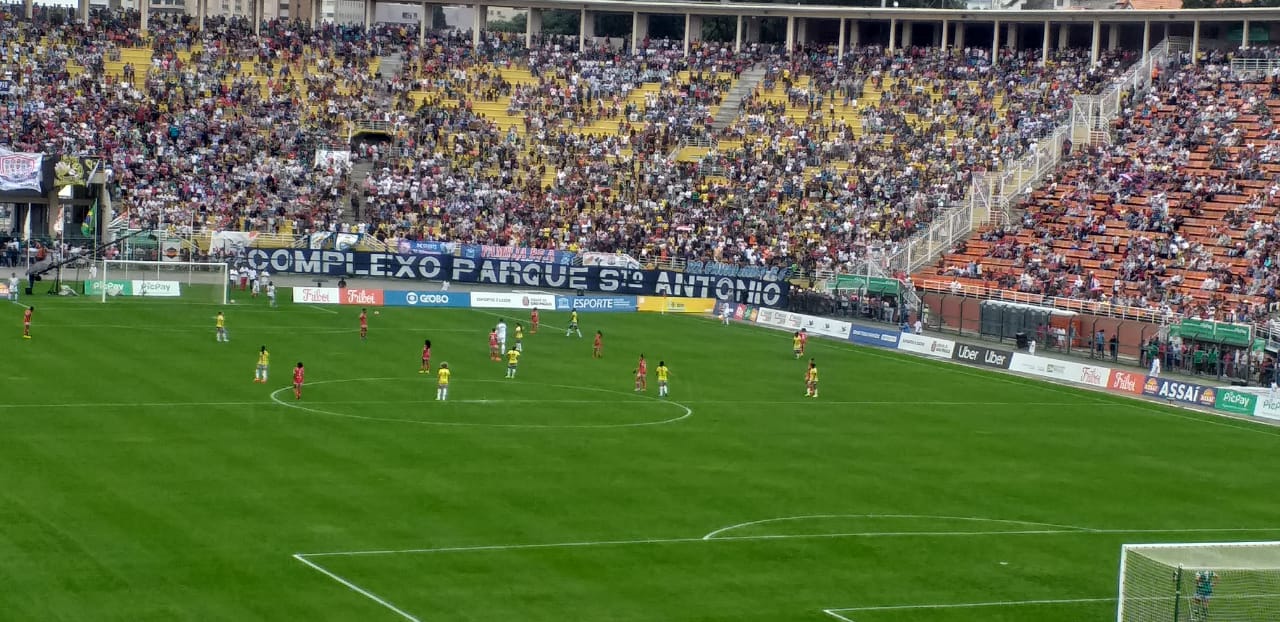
column 1199, row 582
column 183, row 280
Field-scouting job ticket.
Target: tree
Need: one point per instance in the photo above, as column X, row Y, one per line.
column 518, row 23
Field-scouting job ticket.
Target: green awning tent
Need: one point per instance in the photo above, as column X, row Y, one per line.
column 873, row 285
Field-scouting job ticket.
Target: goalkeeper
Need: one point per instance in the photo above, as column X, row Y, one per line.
column 1205, row 580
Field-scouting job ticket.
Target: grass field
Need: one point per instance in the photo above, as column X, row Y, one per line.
column 143, row 476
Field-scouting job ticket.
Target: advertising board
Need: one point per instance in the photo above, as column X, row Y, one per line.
column 512, row 300
column 874, row 337
column 1177, row 391
column 426, row 299
column 596, row 304
column 980, row 355
column 928, row 346
column 316, row 295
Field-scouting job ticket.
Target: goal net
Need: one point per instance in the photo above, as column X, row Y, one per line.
column 1225, row 582
column 176, row 280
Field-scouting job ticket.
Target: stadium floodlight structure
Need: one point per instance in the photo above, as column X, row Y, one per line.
column 184, row 280
column 1200, row 582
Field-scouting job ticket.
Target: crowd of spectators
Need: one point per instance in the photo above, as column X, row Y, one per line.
column 1177, row 215
column 220, row 131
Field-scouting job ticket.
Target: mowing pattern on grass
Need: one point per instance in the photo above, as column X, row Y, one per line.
column 143, row 476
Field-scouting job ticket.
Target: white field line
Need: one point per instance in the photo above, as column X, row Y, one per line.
column 835, row 613
column 1253, row 425
column 11, row 301
column 357, row 589
column 306, row 558
column 799, row 536
column 320, row 308
column 688, row 412
column 972, row 519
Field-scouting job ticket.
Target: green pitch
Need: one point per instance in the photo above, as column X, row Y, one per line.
column 144, row 476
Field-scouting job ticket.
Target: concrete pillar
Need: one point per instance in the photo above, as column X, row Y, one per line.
column 995, row 43
column 532, row 26
column 426, row 16
column 844, row 26
column 855, row 34
column 1146, row 37
column 791, row 33
column 1113, row 36
column 315, row 13
column 1044, row 43
column 202, row 11
column 802, row 30
column 943, row 43
column 737, row 34
column 1244, row 36
column 368, row 14
column 893, row 34
column 1095, row 41
column 28, row 9
column 906, row 35
column 82, row 10
column 586, row 27
column 144, row 13
column 1064, row 36
column 1195, row 42
column 478, row 25
column 256, row 14
column 639, row 30
column 1011, row 36
column 960, row 36
column 692, row 30
column 753, row 30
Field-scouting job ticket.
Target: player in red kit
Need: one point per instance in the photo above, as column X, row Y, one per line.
column 533, row 319
column 597, row 348
column 364, row 325
column 642, row 374
column 426, row 357
column 495, row 352
column 298, row 375
column 804, row 340
column 26, row 322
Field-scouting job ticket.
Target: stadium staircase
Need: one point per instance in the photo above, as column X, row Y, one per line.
column 729, row 107
column 993, row 196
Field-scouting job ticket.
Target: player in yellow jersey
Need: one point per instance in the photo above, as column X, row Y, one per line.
column 264, row 360
column 442, row 382
column 797, row 345
column 663, row 372
column 519, row 337
column 513, row 359
column 811, row 380
column 220, row 324
column 573, row 325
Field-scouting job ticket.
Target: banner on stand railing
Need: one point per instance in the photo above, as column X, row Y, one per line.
column 520, row 274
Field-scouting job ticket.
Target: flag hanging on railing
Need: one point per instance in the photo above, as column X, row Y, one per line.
column 87, row 227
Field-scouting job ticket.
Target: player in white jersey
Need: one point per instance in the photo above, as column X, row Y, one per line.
column 502, row 335
column 271, row 293
column 13, row 285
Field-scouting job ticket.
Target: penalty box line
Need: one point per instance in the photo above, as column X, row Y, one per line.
column 839, row 613
column 308, row 558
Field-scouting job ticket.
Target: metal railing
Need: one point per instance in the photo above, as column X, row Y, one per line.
column 1255, row 67
column 992, row 195
column 1091, row 307
column 1097, row 112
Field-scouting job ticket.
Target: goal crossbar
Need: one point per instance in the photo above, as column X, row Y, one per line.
column 161, row 278
column 1199, row 582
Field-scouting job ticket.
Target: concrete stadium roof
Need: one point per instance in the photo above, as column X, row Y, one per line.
column 747, row 9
